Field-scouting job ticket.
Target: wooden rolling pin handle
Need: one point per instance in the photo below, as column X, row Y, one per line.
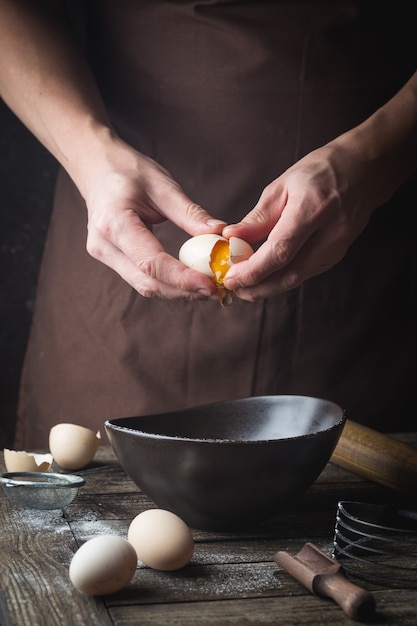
column 325, row 577
column 356, row 602
column 377, row 456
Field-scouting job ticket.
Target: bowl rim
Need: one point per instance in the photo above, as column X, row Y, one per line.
column 58, row 481
column 111, row 424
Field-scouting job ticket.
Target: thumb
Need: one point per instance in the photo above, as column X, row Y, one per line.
column 191, row 217
column 259, row 222
column 198, row 221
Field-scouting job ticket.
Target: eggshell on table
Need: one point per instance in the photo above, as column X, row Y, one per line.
column 103, row 565
column 22, row 461
column 162, row 540
column 73, row 446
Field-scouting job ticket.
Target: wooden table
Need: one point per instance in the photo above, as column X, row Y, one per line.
column 232, row 578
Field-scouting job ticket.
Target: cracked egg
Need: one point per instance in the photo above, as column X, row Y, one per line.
column 213, row 255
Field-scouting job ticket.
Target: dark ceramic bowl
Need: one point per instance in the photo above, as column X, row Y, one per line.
column 228, row 465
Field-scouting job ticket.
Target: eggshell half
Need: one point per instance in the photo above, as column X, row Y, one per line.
column 240, row 250
column 162, row 540
column 72, row 446
column 103, row 565
column 22, row 461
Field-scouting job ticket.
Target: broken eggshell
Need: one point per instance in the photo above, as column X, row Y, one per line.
column 73, row 446
column 22, row 461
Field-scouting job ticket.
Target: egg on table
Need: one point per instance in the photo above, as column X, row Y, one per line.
column 213, row 255
column 73, row 446
column 103, row 565
column 162, row 540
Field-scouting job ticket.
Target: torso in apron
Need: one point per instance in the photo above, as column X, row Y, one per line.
column 226, row 96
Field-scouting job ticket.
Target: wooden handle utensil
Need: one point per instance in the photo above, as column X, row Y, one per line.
column 377, row 456
column 324, row 577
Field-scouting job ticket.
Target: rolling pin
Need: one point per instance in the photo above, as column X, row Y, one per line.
column 377, row 456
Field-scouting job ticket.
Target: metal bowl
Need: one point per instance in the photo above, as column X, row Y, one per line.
column 41, row 490
column 232, row 464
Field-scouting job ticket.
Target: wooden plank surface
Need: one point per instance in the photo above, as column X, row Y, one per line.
column 36, row 548
column 232, row 578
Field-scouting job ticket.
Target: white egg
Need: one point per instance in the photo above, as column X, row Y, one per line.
column 162, row 540
column 199, row 253
column 73, row 446
column 22, row 461
column 103, row 565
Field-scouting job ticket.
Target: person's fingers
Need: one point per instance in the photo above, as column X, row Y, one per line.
column 148, row 268
column 193, row 219
column 291, row 226
column 169, row 200
column 280, row 248
column 319, row 253
column 255, row 270
column 258, row 223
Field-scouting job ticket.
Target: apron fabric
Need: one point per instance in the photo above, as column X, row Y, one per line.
column 226, row 95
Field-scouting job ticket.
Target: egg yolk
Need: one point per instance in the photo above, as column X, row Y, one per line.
column 220, row 260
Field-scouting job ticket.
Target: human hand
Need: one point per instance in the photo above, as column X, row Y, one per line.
column 126, row 194
column 309, row 216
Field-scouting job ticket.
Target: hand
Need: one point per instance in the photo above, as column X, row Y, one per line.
column 309, row 216
column 314, row 211
column 126, row 194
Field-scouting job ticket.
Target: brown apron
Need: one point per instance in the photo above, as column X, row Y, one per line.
column 227, row 95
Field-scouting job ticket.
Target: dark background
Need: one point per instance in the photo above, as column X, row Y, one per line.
column 27, row 175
